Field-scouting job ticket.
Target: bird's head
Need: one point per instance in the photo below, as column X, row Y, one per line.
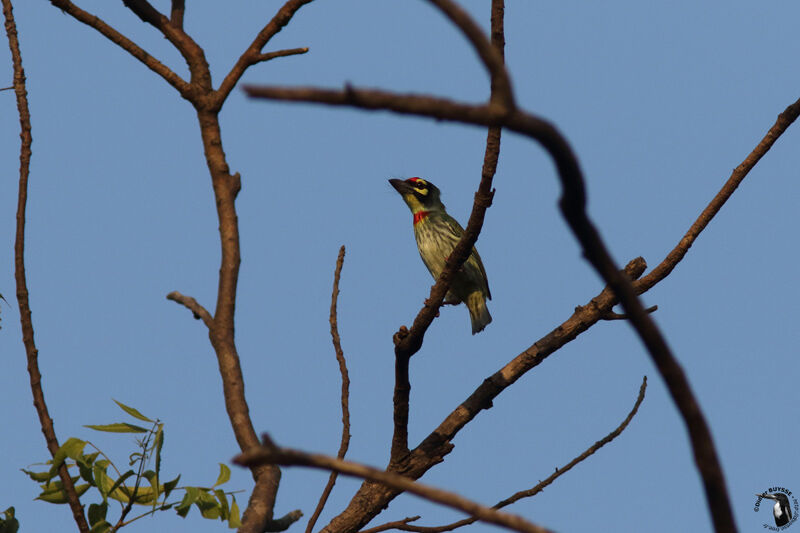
column 419, row 194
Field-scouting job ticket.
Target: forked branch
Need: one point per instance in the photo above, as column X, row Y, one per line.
column 269, row 453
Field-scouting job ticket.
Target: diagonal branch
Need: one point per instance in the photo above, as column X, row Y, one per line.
column 490, row 52
column 269, row 453
column 26, row 322
column 785, row 119
column 337, row 346
column 126, row 44
column 253, row 54
column 194, row 306
column 541, row 485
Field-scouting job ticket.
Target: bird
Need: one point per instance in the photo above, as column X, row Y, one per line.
column 781, row 510
column 437, row 234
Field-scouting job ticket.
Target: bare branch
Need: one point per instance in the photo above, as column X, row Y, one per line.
column 555, row 475
column 145, row 11
column 785, row 119
column 123, row 42
column 253, row 52
column 280, row 53
column 269, row 453
column 198, row 311
column 390, row 525
column 176, row 13
column 26, row 322
column 283, row 523
column 337, row 346
column 490, row 53
column 611, row 315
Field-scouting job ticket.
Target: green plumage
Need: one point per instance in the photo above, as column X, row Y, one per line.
column 437, row 234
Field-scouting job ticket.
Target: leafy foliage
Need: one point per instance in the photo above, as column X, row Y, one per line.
column 136, row 486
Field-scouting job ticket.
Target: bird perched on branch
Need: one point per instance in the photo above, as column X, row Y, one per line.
column 437, row 234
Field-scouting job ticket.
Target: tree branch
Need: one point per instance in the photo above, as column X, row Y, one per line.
column 26, row 322
column 198, row 311
column 126, row 44
column 337, row 346
column 260, row 58
column 390, row 525
column 541, row 485
column 269, row 453
column 176, row 13
column 253, row 53
column 784, row 120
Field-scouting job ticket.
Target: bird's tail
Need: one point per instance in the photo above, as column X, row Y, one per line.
column 478, row 312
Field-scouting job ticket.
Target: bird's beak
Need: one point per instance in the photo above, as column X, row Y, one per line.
column 770, row 496
column 400, row 186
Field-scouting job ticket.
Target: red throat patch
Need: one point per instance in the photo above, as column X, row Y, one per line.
column 419, row 216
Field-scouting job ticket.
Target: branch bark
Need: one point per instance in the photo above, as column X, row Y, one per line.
column 345, row 399
column 26, row 321
column 268, row 453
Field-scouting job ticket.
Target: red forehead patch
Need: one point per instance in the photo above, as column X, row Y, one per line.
column 415, row 179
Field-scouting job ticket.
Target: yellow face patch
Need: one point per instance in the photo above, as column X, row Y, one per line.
column 413, row 202
column 420, row 185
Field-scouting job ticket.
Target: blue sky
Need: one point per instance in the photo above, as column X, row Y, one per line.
column 660, row 102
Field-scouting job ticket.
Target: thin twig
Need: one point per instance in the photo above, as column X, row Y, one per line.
column 611, row 315
column 390, row 525
column 32, row 353
column 784, row 120
column 345, row 400
column 253, row 52
column 555, row 475
column 123, row 42
column 269, row 453
column 279, row 53
column 198, row 311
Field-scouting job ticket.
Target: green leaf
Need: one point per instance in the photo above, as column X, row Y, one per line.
column 159, row 443
column 152, row 478
column 118, row 491
column 224, row 475
column 208, row 505
column 119, row 427
column 235, row 521
column 97, row 513
column 57, row 494
column 101, row 527
column 133, row 412
column 169, row 486
column 225, row 512
column 188, row 499
column 39, row 477
column 72, row 448
column 9, row 524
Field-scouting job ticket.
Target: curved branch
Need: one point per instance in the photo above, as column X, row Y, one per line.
column 491, row 53
column 198, row 311
column 337, row 346
column 784, row 120
column 555, row 475
column 126, row 44
column 269, row 453
column 26, row 322
column 253, row 53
